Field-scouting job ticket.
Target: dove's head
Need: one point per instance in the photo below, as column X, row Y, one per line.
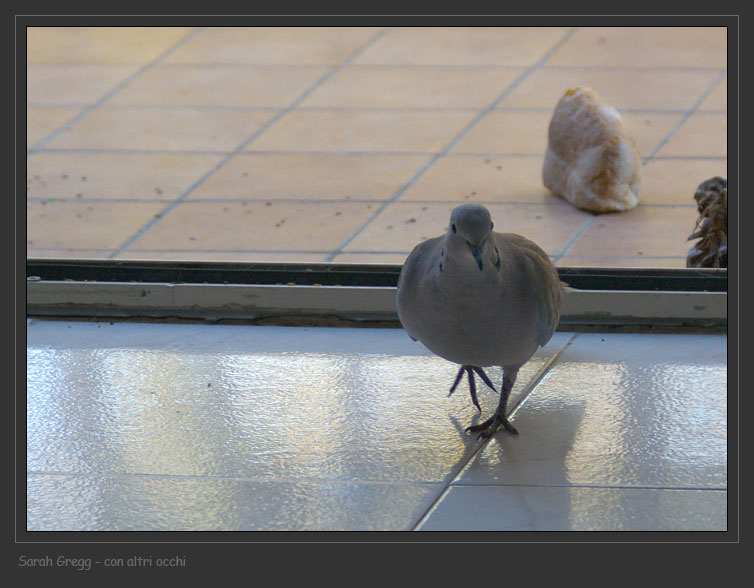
column 470, row 230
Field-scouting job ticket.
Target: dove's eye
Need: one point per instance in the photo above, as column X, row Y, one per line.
column 492, row 225
column 453, row 227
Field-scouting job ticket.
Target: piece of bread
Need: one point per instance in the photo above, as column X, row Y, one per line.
column 591, row 160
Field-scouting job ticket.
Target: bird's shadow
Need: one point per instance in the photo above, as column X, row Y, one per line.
column 461, row 428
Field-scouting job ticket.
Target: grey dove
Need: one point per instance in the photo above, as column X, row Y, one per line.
column 480, row 298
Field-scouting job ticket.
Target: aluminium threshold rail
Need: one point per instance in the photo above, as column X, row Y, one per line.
column 349, row 292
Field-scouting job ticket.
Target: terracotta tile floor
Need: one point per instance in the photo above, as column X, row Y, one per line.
column 351, row 144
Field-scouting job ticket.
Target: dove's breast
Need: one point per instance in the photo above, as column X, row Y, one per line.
column 472, row 325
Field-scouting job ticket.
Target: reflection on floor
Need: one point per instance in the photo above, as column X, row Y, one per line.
column 224, row 427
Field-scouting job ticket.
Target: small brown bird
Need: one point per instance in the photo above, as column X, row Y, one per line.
column 712, row 225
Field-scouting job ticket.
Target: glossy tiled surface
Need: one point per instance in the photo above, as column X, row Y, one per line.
column 178, row 128
column 208, row 427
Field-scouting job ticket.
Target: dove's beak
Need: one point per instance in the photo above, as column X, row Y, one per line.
column 476, row 251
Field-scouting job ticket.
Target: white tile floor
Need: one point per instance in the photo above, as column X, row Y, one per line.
column 207, row 427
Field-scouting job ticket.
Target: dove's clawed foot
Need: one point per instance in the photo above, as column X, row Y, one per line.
column 470, row 370
column 491, row 425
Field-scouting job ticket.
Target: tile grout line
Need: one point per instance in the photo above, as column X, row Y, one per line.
column 394, row 66
column 272, row 480
column 441, row 109
column 480, row 446
column 117, row 88
column 534, row 382
column 123, row 200
column 214, row 477
column 659, row 68
column 688, row 114
column 354, row 153
column 592, row 487
column 434, row 158
column 573, row 238
column 228, row 156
